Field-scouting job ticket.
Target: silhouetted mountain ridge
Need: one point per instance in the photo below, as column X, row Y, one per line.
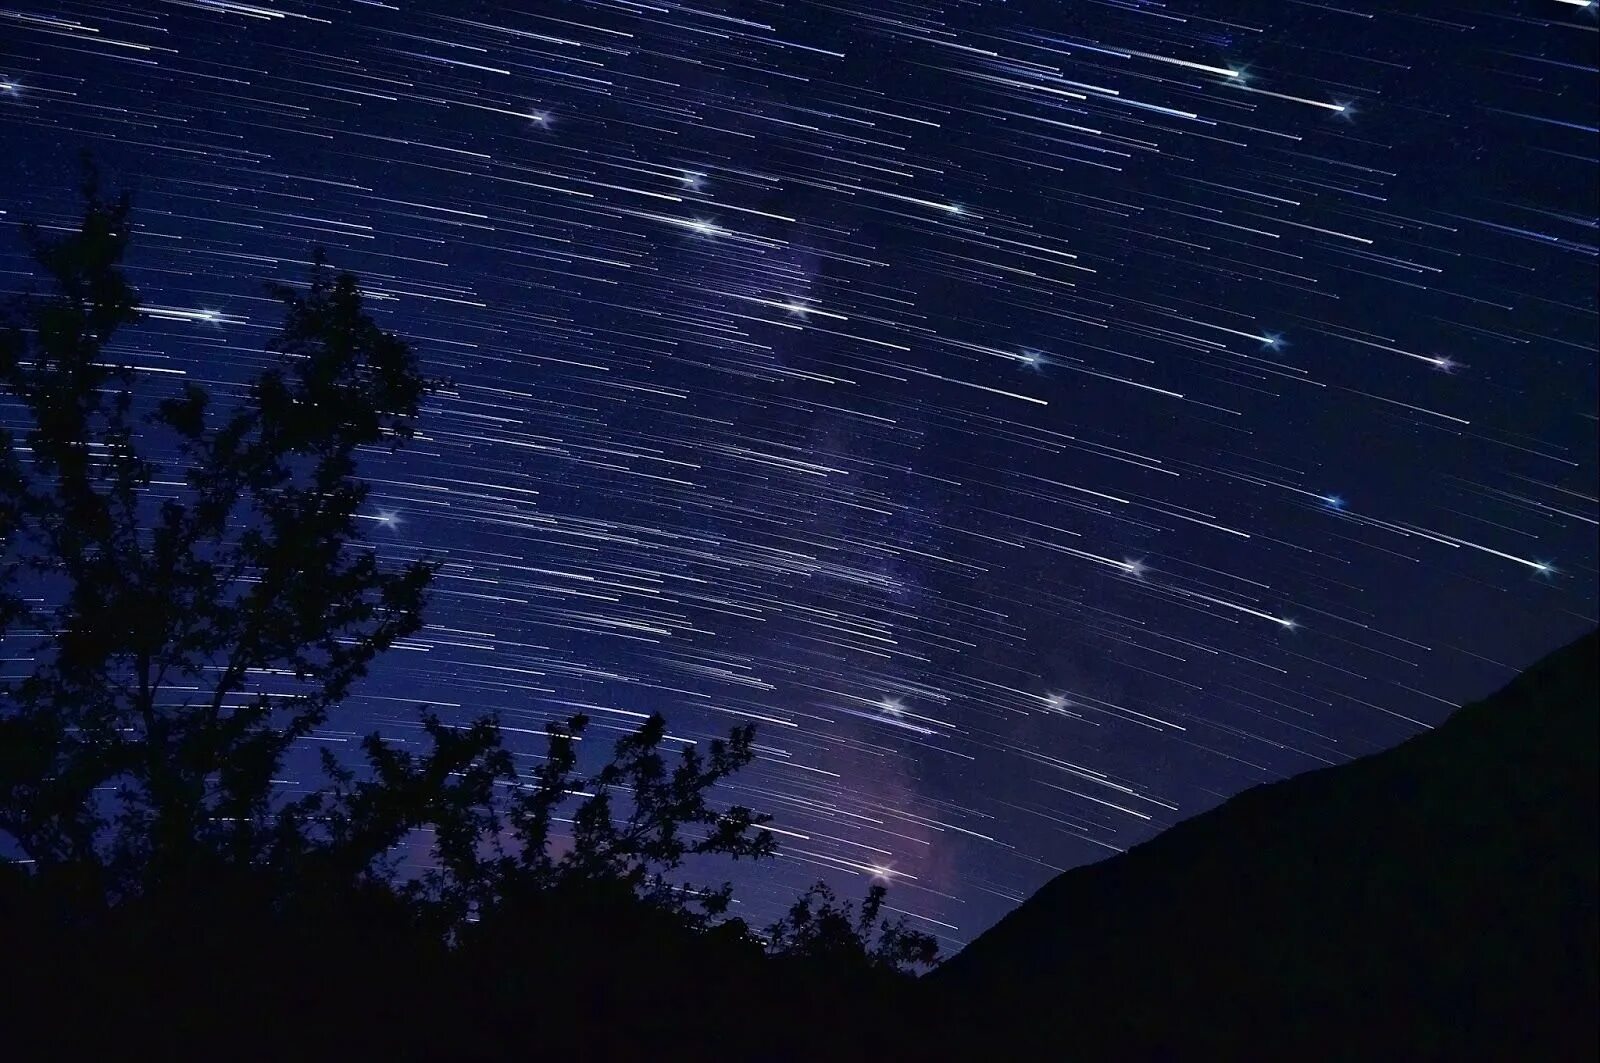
column 1434, row 900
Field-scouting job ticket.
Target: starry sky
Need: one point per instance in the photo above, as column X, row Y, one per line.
column 1043, row 419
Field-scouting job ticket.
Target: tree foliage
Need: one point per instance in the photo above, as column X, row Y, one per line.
column 668, row 818
column 187, row 579
column 189, row 623
column 821, row 928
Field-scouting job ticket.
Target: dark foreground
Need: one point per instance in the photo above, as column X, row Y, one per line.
column 1437, row 901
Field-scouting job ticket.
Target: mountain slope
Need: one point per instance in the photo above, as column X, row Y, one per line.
column 1437, row 900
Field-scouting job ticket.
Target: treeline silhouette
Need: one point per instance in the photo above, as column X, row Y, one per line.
column 186, row 599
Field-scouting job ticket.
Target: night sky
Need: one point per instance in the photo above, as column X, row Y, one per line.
column 1044, row 420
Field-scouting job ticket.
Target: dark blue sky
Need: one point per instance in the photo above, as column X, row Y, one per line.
column 1044, row 419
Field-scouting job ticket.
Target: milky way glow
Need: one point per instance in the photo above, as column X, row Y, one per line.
column 1043, row 420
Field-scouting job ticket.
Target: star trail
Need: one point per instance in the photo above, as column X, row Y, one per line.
column 1043, row 419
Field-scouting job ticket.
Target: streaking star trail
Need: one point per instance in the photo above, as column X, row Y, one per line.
column 1043, row 420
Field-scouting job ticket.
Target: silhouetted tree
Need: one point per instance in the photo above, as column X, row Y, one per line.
column 191, row 590
column 189, row 621
column 639, row 819
column 822, row 929
column 185, row 596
